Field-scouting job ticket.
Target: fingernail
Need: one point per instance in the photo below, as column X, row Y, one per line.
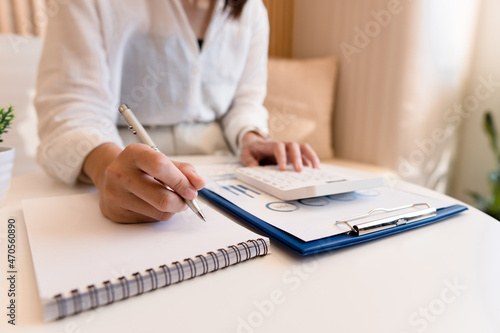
column 191, row 193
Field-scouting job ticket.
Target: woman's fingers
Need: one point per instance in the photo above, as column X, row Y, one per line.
column 139, row 186
column 309, row 153
column 160, row 167
column 257, row 150
column 189, row 171
column 132, row 209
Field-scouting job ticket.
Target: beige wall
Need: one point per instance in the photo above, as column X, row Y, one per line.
column 365, row 91
column 281, row 16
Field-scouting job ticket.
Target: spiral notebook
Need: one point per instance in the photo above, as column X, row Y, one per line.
column 83, row 260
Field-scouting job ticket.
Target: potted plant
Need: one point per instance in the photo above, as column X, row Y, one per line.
column 6, row 153
column 490, row 204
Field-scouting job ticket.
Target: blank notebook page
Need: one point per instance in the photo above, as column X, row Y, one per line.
column 73, row 245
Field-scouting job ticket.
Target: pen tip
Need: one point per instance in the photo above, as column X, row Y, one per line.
column 202, row 217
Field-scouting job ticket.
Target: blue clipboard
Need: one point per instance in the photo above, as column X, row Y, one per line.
column 324, row 244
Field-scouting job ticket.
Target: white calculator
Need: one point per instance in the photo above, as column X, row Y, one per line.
column 292, row 185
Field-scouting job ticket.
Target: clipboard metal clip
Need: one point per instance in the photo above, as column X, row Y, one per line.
column 388, row 222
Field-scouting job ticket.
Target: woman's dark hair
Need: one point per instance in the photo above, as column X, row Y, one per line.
column 235, row 7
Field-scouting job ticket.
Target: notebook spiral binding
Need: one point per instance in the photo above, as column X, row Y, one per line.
column 108, row 292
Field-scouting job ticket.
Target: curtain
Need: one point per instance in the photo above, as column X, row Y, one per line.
column 403, row 65
column 26, row 17
column 475, row 158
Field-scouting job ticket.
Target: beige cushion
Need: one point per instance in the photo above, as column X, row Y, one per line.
column 300, row 101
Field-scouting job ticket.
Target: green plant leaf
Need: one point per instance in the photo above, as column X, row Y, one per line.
column 6, row 117
column 491, row 204
column 489, row 127
column 481, row 201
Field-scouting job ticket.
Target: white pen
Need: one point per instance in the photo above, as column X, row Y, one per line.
column 137, row 129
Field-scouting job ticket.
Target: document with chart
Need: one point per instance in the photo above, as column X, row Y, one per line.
column 312, row 218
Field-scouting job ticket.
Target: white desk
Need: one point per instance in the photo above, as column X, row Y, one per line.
column 440, row 278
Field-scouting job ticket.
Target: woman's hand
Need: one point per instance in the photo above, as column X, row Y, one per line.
column 132, row 183
column 256, row 148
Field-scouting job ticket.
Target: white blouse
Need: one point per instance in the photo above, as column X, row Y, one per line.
column 99, row 54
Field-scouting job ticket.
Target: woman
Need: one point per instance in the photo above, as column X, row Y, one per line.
column 194, row 73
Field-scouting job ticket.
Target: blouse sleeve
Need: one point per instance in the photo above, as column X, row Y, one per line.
column 247, row 112
column 73, row 100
